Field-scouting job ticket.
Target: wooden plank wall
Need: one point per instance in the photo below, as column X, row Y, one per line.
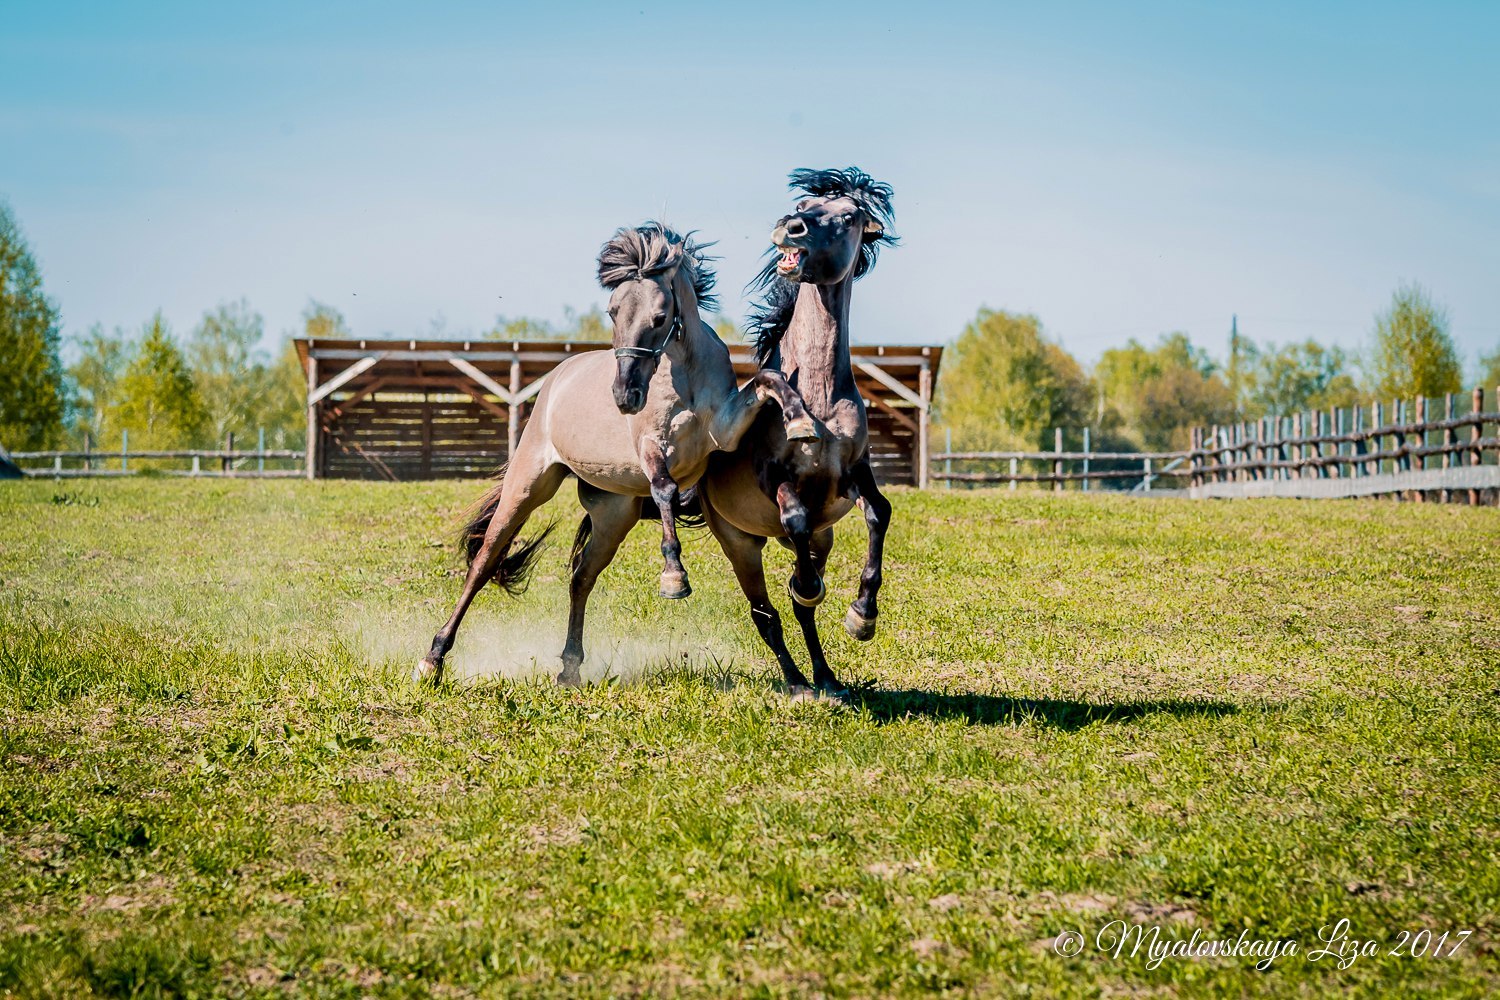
column 409, row 436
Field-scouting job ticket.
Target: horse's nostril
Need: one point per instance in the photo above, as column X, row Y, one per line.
column 795, row 227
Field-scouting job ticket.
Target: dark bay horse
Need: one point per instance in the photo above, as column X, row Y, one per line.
column 774, row 487
column 631, row 426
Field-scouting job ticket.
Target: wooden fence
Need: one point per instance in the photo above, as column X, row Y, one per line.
column 226, row 461
column 1426, row 449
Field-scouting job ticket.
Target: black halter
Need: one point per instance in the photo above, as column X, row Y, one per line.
column 675, row 333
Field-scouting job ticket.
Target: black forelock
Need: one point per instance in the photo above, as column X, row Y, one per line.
column 872, row 196
column 650, row 249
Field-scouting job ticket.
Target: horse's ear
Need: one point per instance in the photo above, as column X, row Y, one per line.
column 873, row 229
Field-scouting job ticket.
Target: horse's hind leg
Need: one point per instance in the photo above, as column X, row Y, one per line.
column 529, row 482
column 859, row 621
column 674, row 581
column 609, row 519
column 744, row 552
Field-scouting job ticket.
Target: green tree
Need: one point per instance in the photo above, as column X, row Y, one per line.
column 282, row 407
column 95, row 379
column 1413, row 353
column 157, row 401
column 31, row 371
column 1300, row 377
column 592, row 325
column 323, row 322
column 1005, row 385
column 1489, row 371
column 1155, row 396
column 228, row 367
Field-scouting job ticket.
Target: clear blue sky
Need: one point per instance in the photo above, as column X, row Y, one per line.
column 1118, row 169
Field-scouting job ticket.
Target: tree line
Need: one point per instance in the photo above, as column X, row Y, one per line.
column 1005, row 383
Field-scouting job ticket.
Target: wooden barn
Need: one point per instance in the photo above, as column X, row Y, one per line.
column 429, row 409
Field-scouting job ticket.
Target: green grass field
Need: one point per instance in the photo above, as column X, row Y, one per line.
column 1257, row 717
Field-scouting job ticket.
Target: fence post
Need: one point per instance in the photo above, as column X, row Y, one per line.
column 88, row 448
column 57, row 464
column 1421, row 435
column 1338, row 444
column 1194, row 436
column 1475, row 433
column 1085, row 460
column 124, row 450
column 1357, row 467
column 1450, row 438
column 1377, row 418
column 225, row 464
column 1057, row 466
column 948, row 462
column 1296, row 467
column 195, row 465
column 1012, row 474
column 1147, row 481
column 260, row 446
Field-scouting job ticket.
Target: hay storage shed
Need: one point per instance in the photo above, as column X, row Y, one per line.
column 441, row 409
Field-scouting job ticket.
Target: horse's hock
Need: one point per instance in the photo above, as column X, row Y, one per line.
column 440, row 409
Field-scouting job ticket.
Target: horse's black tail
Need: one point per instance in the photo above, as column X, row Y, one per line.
column 514, row 572
column 581, row 541
column 687, row 509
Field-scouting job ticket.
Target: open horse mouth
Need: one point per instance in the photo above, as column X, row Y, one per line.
column 790, row 262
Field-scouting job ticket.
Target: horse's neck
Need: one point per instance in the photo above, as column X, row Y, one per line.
column 701, row 353
column 815, row 348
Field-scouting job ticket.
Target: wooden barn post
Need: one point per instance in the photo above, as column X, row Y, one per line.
column 310, row 450
column 513, row 420
column 924, row 391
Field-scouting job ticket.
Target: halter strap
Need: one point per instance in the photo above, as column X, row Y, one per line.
column 675, row 333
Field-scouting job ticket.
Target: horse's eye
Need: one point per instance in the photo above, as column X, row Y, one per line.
column 659, row 320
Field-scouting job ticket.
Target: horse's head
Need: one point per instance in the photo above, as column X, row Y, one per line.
column 836, row 230
column 648, row 306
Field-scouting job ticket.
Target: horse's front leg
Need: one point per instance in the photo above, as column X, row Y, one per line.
column 738, row 412
column 859, row 622
column 674, row 581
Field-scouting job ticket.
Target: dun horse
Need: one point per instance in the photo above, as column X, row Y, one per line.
column 773, row 486
column 630, row 426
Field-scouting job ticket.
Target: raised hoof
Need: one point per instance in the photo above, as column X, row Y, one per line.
column 858, row 626
column 807, row 602
column 674, row 588
column 801, row 429
column 428, row 672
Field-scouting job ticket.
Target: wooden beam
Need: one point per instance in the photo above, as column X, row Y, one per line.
column 478, row 376
column 341, row 379
column 899, row 417
column 884, row 378
column 479, row 398
column 369, row 390
column 531, row 390
column 924, row 388
column 310, row 458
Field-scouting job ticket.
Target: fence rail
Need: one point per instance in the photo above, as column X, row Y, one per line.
column 1412, row 450
column 227, row 461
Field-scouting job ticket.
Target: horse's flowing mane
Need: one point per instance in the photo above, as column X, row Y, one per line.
column 650, row 249
column 770, row 317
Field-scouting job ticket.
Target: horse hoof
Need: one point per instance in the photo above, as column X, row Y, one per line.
column 801, row 429
column 428, row 672
column 675, row 588
column 807, row 602
column 569, row 678
column 801, row 692
column 858, row 626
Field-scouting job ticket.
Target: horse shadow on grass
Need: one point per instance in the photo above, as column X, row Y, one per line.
column 896, row 705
